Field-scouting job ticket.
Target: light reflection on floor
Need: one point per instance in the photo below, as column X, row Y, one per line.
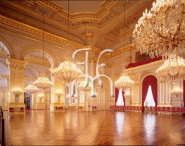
column 119, row 122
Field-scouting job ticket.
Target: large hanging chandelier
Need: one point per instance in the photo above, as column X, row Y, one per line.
column 31, row 89
column 172, row 69
column 43, row 82
column 67, row 71
column 124, row 82
column 161, row 30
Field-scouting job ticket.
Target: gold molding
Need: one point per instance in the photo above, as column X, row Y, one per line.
column 120, row 51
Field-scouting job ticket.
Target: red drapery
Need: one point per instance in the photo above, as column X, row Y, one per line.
column 184, row 92
column 123, row 93
column 143, row 62
column 149, row 80
column 116, row 95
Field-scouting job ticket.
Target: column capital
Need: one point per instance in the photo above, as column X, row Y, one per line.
column 16, row 64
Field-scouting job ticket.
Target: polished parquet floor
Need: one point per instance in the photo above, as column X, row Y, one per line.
column 42, row 127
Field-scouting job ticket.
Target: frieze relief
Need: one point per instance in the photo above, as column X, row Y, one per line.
column 43, row 11
column 29, row 4
column 53, row 6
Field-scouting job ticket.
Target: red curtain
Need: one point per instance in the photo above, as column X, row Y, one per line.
column 184, row 92
column 116, row 95
column 149, row 80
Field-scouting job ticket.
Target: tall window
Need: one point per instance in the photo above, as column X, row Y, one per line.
column 149, row 101
column 120, row 99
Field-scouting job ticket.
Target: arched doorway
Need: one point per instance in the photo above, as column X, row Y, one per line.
column 149, row 81
column 119, row 95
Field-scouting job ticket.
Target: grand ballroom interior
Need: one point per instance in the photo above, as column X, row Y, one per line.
column 102, row 72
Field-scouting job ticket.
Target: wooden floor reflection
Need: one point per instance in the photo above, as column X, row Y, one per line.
column 43, row 127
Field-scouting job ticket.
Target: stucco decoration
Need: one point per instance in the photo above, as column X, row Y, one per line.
column 31, row 72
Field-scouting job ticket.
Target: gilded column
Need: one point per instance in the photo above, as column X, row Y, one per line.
column 16, row 82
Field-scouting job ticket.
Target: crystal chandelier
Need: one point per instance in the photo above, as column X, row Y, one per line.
column 67, row 71
column 161, row 30
column 31, row 89
column 43, row 82
column 172, row 69
column 124, row 82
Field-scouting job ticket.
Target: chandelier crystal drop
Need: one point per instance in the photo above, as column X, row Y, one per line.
column 124, row 82
column 67, row 71
column 31, row 89
column 172, row 69
column 43, row 83
column 161, row 30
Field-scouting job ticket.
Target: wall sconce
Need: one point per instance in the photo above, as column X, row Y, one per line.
column 127, row 95
column 17, row 91
column 41, row 95
column 58, row 93
column 176, row 92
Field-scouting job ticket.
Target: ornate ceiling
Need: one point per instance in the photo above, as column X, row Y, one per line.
column 100, row 24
